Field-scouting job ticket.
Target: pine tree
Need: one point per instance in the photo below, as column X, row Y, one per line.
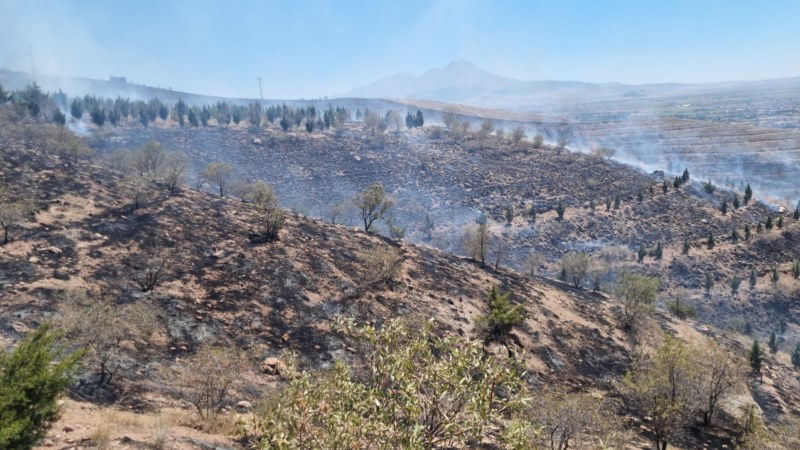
column 736, row 203
column 642, row 253
column 640, row 196
column 617, row 202
column 724, row 207
column 98, row 116
column 560, row 210
column 532, row 213
column 748, row 194
column 747, row 232
column 735, row 283
column 685, row 176
column 709, row 283
column 687, row 245
column 796, row 214
column 769, row 224
column 193, row 119
column 59, row 117
column 419, row 120
column 76, row 108
column 710, row 243
column 773, row 343
column 509, row 213
column 753, row 279
column 796, row 269
column 181, row 109
column 659, row 251
column 796, row 356
column 780, row 222
column 677, row 182
column 734, row 236
column 774, row 275
column 32, row 378
column 756, row 359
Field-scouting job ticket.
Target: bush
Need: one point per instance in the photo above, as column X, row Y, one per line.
column 32, row 377
column 205, row 378
column 681, row 309
column 419, row 391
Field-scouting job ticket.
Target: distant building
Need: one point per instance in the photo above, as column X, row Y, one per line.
column 118, row 80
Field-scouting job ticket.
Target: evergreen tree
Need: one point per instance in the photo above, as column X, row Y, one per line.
column 724, row 207
column 4, row 96
column 756, row 359
column 753, row 279
column 748, row 194
column 774, row 275
column 181, row 109
column 98, row 116
column 664, row 186
column 768, row 224
column 532, row 213
column 685, row 176
column 710, row 243
column 747, row 232
column 779, row 224
column 736, row 203
column 735, row 283
column 193, row 119
column 32, row 377
column 509, row 214
column 503, row 315
column 773, row 343
column 419, row 120
column 560, row 210
column 734, row 236
column 687, row 245
column 796, row 214
column 640, row 196
column 59, row 117
column 163, row 111
column 796, row 356
column 659, row 251
column 642, row 253
column 76, row 108
column 617, row 202
column 709, row 283
column 796, row 269
column 676, row 183
column 144, row 117
column 409, row 120
column 760, row 228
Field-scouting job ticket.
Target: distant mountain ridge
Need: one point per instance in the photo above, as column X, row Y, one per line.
column 464, row 82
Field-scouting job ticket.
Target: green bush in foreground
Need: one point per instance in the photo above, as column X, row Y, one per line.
column 32, row 377
column 419, row 391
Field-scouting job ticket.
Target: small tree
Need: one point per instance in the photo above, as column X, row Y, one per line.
column 709, row 283
column 503, row 315
column 218, row 174
column 12, row 211
column 660, row 388
column 560, row 210
column 205, row 379
column 774, row 275
column 575, row 264
column 756, row 358
column 796, row 269
column 748, row 194
column 509, row 214
column 773, row 343
column 476, row 242
column 710, row 242
column 796, row 356
column 719, row 377
column 637, row 294
column 723, row 207
column 372, row 204
column 270, row 216
column 685, row 176
column 735, row 283
column 59, row 117
column 517, row 135
column 687, row 245
column 76, row 109
column 382, row 265
column 753, row 278
column 98, row 116
column 538, row 141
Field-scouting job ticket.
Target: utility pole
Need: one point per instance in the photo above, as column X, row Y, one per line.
column 260, row 90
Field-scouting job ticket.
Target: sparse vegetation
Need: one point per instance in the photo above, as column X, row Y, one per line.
column 372, row 204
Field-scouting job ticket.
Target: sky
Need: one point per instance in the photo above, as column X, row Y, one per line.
column 315, row 48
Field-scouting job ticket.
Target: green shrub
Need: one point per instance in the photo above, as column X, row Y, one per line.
column 503, row 315
column 32, row 377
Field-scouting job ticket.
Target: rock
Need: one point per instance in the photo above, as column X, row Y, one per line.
column 273, row 366
column 47, row 443
column 54, row 250
column 285, row 337
column 256, row 141
column 33, row 260
column 244, row 404
column 68, row 429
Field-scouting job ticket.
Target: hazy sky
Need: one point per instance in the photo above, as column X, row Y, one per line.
column 316, row 48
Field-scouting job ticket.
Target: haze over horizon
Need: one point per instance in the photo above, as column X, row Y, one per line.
column 298, row 48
